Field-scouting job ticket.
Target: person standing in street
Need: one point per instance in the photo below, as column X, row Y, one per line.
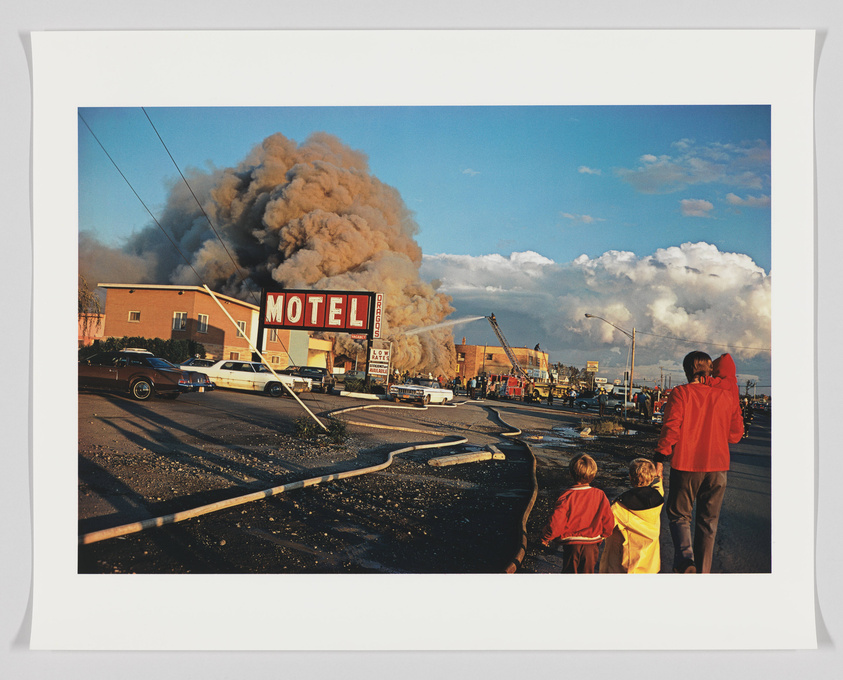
column 700, row 420
column 644, row 405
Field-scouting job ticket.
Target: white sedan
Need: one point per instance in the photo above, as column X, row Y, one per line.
column 252, row 375
column 421, row 390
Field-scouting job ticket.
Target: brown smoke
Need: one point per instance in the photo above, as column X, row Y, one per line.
column 304, row 216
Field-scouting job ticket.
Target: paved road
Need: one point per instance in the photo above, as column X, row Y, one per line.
column 744, row 534
column 141, row 458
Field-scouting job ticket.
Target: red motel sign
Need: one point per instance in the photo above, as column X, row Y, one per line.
column 323, row 310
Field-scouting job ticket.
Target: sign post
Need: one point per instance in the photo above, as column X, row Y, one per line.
column 591, row 367
column 379, row 361
column 355, row 312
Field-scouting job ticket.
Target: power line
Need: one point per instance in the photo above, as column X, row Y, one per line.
column 699, row 342
column 199, row 204
column 125, row 179
column 154, row 219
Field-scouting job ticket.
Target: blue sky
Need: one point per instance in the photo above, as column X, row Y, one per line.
column 508, row 200
column 560, row 181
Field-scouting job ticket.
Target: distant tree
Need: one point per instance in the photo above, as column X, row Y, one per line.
column 174, row 351
column 90, row 307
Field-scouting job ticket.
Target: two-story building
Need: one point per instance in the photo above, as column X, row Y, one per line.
column 190, row 313
column 474, row 360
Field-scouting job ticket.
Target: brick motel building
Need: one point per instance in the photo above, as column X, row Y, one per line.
column 472, row 360
column 190, row 313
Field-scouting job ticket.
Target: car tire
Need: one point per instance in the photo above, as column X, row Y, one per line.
column 141, row 389
column 274, row 389
column 426, row 399
column 582, row 406
column 618, row 409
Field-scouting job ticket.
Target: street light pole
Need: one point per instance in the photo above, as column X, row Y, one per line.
column 632, row 361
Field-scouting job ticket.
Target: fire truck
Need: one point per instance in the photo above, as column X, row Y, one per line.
column 540, row 390
column 519, row 385
column 515, row 385
column 505, row 386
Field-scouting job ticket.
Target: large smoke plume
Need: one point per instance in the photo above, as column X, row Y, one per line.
column 297, row 216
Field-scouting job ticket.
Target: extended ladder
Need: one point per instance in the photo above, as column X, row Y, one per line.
column 516, row 367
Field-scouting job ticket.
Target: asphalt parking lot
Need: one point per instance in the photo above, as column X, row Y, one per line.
column 142, row 460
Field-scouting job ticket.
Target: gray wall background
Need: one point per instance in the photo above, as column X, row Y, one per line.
column 18, row 19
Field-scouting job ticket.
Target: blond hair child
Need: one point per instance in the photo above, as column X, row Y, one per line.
column 633, row 547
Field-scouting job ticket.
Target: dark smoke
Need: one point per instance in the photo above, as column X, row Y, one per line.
column 295, row 216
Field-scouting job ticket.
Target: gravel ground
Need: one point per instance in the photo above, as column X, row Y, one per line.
column 148, row 460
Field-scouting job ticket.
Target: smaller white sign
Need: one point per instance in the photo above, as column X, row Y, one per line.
column 379, row 369
column 378, row 316
column 379, row 355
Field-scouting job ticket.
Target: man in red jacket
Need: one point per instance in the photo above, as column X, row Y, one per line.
column 700, row 420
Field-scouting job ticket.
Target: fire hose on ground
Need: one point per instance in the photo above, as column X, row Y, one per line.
column 172, row 518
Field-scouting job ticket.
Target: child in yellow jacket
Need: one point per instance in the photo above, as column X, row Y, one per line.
column 633, row 547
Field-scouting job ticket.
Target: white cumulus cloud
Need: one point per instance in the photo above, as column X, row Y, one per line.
column 585, row 170
column 741, row 165
column 678, row 299
column 584, row 219
column 696, row 207
column 762, row 201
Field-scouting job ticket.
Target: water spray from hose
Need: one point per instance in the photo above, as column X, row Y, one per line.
column 444, row 324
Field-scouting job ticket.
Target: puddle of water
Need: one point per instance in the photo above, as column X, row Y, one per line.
column 568, row 437
column 564, row 437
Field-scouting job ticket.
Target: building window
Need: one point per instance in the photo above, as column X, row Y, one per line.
column 273, row 335
column 241, row 329
column 460, row 356
column 203, row 324
column 179, row 321
column 134, row 317
column 490, row 357
column 234, row 355
column 276, row 360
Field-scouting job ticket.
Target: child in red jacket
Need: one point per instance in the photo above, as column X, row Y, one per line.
column 581, row 520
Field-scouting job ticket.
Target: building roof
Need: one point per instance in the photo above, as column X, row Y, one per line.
column 197, row 289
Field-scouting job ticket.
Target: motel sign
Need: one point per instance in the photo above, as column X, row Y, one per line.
column 360, row 314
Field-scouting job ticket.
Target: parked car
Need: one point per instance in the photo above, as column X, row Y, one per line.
column 588, row 403
column 197, row 362
column 141, row 374
column 421, row 390
column 255, row 376
column 321, row 379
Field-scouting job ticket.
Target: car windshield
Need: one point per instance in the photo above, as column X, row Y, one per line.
column 157, row 362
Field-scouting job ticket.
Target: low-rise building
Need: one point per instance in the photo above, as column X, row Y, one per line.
column 474, row 360
column 190, row 313
column 91, row 327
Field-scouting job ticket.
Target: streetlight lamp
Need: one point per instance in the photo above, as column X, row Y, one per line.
column 632, row 362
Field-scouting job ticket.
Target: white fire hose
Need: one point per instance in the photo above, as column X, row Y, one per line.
column 135, row 527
